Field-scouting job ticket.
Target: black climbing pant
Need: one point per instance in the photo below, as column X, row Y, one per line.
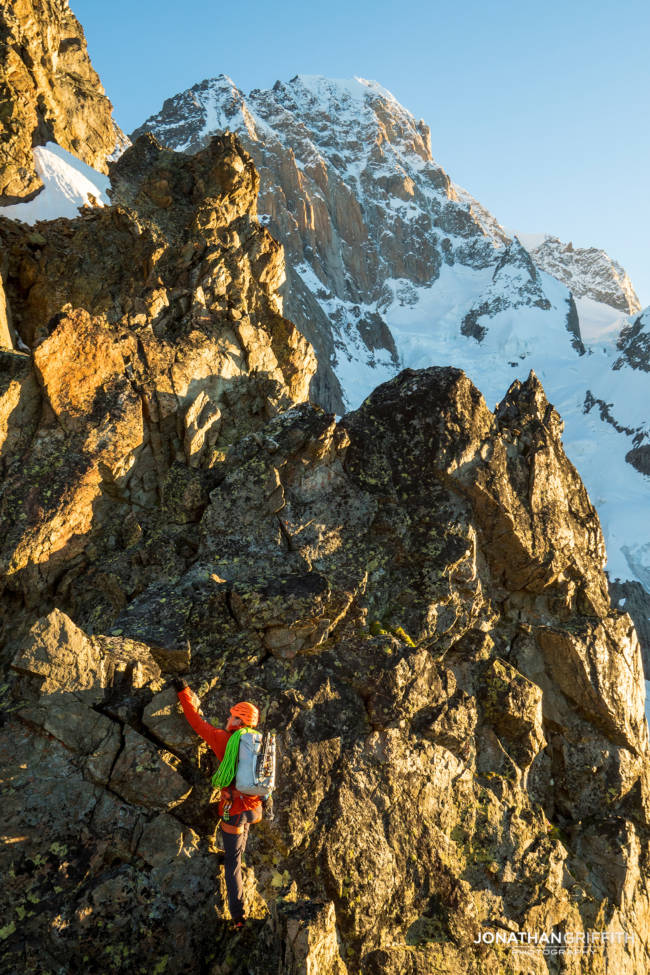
column 234, row 845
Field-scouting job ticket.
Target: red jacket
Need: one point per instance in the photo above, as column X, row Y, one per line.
column 217, row 739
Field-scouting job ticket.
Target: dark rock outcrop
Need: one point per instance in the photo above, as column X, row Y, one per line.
column 634, row 344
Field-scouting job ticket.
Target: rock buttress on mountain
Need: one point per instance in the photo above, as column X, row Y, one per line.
column 414, row 594
column 49, row 92
column 155, row 332
column 587, row 271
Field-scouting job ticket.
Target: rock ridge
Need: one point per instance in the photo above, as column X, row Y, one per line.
column 169, row 300
column 416, row 597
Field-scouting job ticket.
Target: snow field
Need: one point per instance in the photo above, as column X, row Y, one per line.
column 68, row 183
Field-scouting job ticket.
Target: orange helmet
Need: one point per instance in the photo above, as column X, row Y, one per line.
column 248, row 713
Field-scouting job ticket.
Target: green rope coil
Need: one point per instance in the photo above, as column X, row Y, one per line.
column 228, row 767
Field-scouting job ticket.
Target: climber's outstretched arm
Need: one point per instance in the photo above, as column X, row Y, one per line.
column 208, row 732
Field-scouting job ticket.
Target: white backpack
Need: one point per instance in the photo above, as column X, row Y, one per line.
column 256, row 763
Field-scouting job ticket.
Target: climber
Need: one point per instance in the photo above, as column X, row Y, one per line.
column 236, row 810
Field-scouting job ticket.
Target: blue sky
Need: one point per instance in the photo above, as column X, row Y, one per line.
column 540, row 111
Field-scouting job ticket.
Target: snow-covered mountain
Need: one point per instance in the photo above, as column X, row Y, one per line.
column 350, row 187
column 587, row 271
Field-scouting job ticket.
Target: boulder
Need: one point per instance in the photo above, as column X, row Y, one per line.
column 146, row 776
column 164, row 719
column 62, row 655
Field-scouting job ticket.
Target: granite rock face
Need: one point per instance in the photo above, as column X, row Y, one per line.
column 49, row 92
